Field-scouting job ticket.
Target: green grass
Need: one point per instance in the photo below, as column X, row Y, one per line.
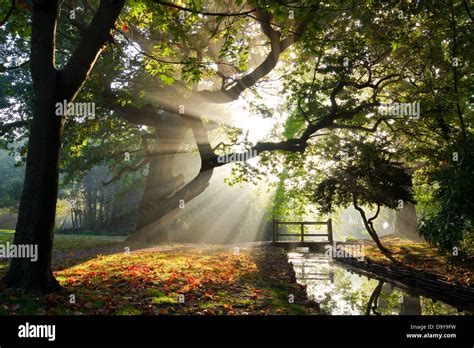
column 71, row 242
column 6, row 235
column 279, row 294
column 129, row 310
column 213, row 281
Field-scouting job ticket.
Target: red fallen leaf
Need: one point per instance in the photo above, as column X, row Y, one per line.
column 228, row 307
column 208, row 296
column 125, row 27
column 256, row 293
column 70, row 281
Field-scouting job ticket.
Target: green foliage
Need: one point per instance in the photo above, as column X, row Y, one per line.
column 292, row 125
column 367, row 177
column 11, row 182
column 453, row 191
column 467, row 244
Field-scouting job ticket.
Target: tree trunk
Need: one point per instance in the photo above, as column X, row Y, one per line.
column 411, row 305
column 36, row 216
column 37, row 209
column 160, row 183
column 372, row 305
column 368, row 223
column 154, row 217
column 406, row 223
column 165, row 209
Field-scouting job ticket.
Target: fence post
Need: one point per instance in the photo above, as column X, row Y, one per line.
column 274, row 237
column 302, row 232
column 330, row 231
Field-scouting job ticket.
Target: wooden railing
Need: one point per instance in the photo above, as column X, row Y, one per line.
column 302, row 234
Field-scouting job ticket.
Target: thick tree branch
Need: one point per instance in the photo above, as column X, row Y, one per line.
column 6, row 127
column 144, row 115
column 127, row 169
column 43, row 39
column 370, row 221
column 360, row 128
column 299, row 144
column 277, row 45
column 204, row 13
column 3, row 68
column 202, row 139
column 89, row 47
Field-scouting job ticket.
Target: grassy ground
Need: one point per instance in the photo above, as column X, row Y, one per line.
column 70, row 242
column 165, row 279
column 423, row 257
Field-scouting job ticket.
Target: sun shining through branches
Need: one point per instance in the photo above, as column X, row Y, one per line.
column 235, row 158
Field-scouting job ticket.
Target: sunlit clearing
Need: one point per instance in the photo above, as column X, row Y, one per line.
column 223, row 214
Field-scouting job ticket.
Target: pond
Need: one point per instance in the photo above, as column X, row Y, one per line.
column 342, row 292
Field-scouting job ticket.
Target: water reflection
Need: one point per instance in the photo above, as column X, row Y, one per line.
column 340, row 292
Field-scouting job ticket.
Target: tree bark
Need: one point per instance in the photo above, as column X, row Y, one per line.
column 373, row 300
column 36, row 216
column 406, row 223
column 368, row 223
column 38, row 201
column 160, row 183
column 153, row 217
column 411, row 305
column 167, row 208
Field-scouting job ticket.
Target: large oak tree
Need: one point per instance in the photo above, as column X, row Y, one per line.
column 37, row 210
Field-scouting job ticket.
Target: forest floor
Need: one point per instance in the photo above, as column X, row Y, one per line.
column 108, row 276
column 103, row 275
column 421, row 256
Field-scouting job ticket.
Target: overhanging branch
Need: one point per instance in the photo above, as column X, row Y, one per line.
column 9, row 13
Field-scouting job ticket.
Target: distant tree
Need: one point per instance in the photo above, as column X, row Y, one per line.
column 10, row 182
column 367, row 178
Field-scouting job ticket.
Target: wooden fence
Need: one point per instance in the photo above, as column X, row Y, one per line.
column 302, row 234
